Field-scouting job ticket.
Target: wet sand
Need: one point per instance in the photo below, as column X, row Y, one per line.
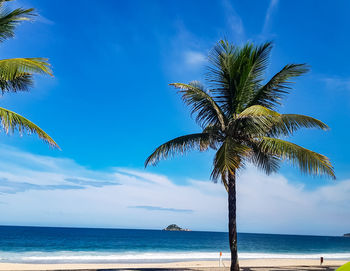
column 246, row 265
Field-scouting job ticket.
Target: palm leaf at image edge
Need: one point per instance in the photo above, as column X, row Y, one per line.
column 12, row 121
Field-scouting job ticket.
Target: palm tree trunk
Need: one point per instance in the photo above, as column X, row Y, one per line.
column 232, row 226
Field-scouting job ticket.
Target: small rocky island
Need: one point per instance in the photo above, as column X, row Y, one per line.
column 174, row 227
column 346, row 235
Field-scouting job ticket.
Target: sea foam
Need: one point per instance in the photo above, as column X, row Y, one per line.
column 134, row 257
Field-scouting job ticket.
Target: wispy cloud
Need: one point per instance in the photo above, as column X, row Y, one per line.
column 9, row 187
column 270, row 10
column 184, row 53
column 77, row 196
column 193, row 58
column 336, row 83
column 44, row 20
column 85, row 183
column 122, row 197
column 158, row 208
column 234, row 21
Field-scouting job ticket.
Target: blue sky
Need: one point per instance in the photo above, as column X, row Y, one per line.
column 109, row 105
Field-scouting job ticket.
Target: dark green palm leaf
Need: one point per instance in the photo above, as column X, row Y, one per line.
column 263, row 160
column 179, row 145
column 228, row 158
column 271, row 94
column 215, row 137
column 19, row 83
column 255, row 121
column 252, row 74
column 221, row 74
column 236, row 72
column 10, row 19
column 203, row 106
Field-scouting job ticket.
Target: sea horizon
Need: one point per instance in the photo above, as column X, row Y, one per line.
column 161, row 229
column 39, row 244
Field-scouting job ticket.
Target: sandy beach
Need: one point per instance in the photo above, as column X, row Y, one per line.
column 246, row 265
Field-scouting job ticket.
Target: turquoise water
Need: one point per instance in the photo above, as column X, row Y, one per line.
column 52, row 245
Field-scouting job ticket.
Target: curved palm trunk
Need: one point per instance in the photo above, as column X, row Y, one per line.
column 232, row 226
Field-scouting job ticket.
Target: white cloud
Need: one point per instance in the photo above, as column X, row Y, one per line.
column 277, row 205
column 40, row 190
column 184, row 54
column 193, row 58
column 36, row 191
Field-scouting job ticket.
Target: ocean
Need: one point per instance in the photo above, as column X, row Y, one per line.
column 87, row 245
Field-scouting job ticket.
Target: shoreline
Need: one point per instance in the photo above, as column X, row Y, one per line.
column 261, row 264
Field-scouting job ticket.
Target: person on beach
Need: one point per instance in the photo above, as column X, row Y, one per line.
column 221, row 263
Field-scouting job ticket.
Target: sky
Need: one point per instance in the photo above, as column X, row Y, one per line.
column 109, row 105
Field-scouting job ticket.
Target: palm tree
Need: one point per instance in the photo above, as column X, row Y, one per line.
column 238, row 120
column 16, row 74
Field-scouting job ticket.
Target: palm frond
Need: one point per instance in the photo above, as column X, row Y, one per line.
column 263, row 160
column 252, row 71
column 11, row 68
column 287, row 124
column 281, row 124
column 12, row 121
column 202, row 104
column 254, row 121
column 237, row 115
column 258, row 111
column 9, row 19
column 236, row 72
column 179, row 145
column 229, row 157
column 272, row 92
column 214, row 138
column 308, row 161
column 221, row 74
column 18, row 83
